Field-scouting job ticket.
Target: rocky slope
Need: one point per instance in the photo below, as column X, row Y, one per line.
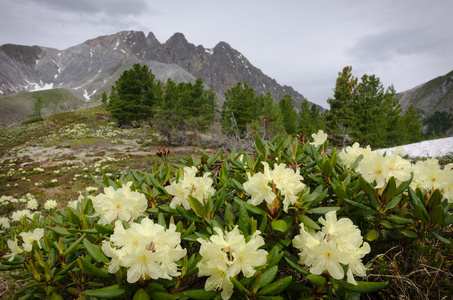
column 88, row 69
column 434, row 95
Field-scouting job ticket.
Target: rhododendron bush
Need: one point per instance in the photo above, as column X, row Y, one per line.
column 291, row 220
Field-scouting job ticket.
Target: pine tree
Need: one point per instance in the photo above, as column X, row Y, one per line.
column 240, row 109
column 134, row 95
column 38, row 105
column 377, row 112
column 340, row 119
column 289, row 114
column 306, row 126
column 411, row 125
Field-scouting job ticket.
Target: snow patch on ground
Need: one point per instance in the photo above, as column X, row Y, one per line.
column 41, row 86
column 432, row 148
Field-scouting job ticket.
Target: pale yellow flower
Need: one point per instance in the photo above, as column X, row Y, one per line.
column 31, row 236
column 318, row 138
column 122, row 204
column 147, row 250
column 188, row 184
column 226, row 255
column 375, row 167
column 15, row 249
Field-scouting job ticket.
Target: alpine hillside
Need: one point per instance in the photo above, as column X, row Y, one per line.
column 434, row 95
column 80, row 74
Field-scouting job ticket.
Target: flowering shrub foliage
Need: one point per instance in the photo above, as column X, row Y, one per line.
column 289, row 221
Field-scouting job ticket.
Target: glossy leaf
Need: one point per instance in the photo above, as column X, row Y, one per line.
column 363, row 287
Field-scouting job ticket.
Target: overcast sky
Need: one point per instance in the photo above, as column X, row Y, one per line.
column 303, row 44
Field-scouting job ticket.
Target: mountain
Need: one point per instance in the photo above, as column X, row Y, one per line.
column 83, row 72
column 434, row 95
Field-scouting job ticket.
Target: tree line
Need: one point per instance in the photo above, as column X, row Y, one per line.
column 360, row 111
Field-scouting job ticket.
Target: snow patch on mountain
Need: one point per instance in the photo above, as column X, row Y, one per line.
column 431, row 148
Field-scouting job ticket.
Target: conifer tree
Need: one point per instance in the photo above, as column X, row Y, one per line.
column 289, row 114
column 377, row 112
column 240, row 109
column 340, row 118
column 306, row 126
column 412, row 125
column 38, row 105
column 134, row 95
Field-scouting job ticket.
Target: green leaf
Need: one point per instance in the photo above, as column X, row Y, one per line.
column 213, row 158
column 390, row 189
column 394, row 202
column 104, row 229
column 436, row 215
column 327, row 168
column 244, row 220
column 240, row 287
column 74, row 245
column 90, row 269
column 59, row 230
column 358, row 205
column 276, row 287
column 317, row 280
column 141, row 294
column 404, row 185
column 435, row 199
column 448, row 220
column 340, row 192
column 73, row 218
column 201, row 294
column 197, row 206
column 398, row 220
column 95, row 252
column 440, row 238
column 275, row 260
column 282, row 225
column 251, row 208
column 419, row 213
column 372, row 235
column 188, row 215
column 363, row 287
column 308, row 222
column 322, row 210
column 414, row 198
column 161, row 295
column 409, row 233
column 113, row 291
column 97, row 181
column 268, row 276
column 259, row 145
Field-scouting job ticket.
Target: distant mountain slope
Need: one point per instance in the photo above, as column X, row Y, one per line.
column 434, row 95
column 88, row 69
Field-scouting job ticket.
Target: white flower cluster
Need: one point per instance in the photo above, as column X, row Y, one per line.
column 28, row 239
column 20, row 214
column 50, row 204
column 375, row 167
column 430, row 176
column 339, row 242
column 318, row 138
column 122, row 204
column 349, row 154
column 198, row 187
column 4, row 223
column 147, row 250
column 226, row 256
column 261, row 186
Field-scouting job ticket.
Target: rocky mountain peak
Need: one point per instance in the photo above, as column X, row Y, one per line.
column 28, row 55
column 88, row 69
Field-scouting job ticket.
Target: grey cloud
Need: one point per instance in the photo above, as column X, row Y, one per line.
column 385, row 45
column 90, row 7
